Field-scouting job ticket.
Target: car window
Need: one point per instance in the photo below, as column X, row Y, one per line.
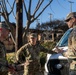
column 64, row 40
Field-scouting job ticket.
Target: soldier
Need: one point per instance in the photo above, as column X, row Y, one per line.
column 29, row 55
column 70, row 26
column 71, row 53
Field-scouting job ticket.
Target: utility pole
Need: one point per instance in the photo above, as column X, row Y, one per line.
column 0, row 10
column 50, row 16
column 37, row 21
column 19, row 23
column 70, row 5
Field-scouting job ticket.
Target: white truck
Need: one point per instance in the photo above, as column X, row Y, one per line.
column 57, row 64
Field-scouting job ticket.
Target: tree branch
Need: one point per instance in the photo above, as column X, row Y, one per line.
column 38, row 6
column 25, row 9
column 29, row 8
column 11, row 8
column 42, row 10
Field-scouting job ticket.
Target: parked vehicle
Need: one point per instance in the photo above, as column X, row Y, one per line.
column 57, row 64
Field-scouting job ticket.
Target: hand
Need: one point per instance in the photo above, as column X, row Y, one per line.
column 11, row 68
column 74, row 51
column 59, row 50
column 27, row 62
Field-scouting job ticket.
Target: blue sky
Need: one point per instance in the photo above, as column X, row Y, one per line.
column 58, row 8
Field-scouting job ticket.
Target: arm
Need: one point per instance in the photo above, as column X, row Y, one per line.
column 58, row 50
column 46, row 50
column 71, row 44
column 21, row 54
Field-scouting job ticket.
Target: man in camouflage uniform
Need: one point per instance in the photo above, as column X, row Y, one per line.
column 71, row 53
column 29, row 55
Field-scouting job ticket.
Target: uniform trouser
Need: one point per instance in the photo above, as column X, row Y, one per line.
column 38, row 73
column 32, row 73
column 72, row 72
column 17, row 73
column 4, row 73
column 72, row 68
column 33, row 68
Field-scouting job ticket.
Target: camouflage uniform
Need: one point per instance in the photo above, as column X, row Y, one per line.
column 31, row 53
column 71, row 53
column 3, row 62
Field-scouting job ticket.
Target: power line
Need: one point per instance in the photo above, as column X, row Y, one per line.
column 52, row 9
column 61, row 4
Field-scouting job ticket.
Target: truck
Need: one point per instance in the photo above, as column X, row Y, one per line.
column 57, row 64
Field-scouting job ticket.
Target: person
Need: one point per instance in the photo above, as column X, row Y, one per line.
column 70, row 26
column 71, row 21
column 63, row 42
column 71, row 52
column 5, row 67
column 29, row 55
column 6, row 36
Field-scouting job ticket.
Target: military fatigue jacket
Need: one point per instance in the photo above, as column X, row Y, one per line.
column 30, row 52
column 72, row 43
column 71, row 53
column 3, row 61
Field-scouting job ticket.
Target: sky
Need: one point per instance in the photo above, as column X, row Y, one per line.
column 58, row 10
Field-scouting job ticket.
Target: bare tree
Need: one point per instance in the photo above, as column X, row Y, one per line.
column 31, row 17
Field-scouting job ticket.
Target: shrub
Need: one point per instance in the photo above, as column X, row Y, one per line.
column 48, row 45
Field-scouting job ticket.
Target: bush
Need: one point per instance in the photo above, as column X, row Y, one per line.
column 49, row 46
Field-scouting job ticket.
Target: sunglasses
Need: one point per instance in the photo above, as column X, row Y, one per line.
column 68, row 19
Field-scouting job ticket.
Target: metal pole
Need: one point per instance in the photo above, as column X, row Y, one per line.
column 37, row 21
column 70, row 5
column 50, row 16
column 0, row 11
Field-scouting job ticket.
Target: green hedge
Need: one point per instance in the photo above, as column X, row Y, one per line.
column 48, row 45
